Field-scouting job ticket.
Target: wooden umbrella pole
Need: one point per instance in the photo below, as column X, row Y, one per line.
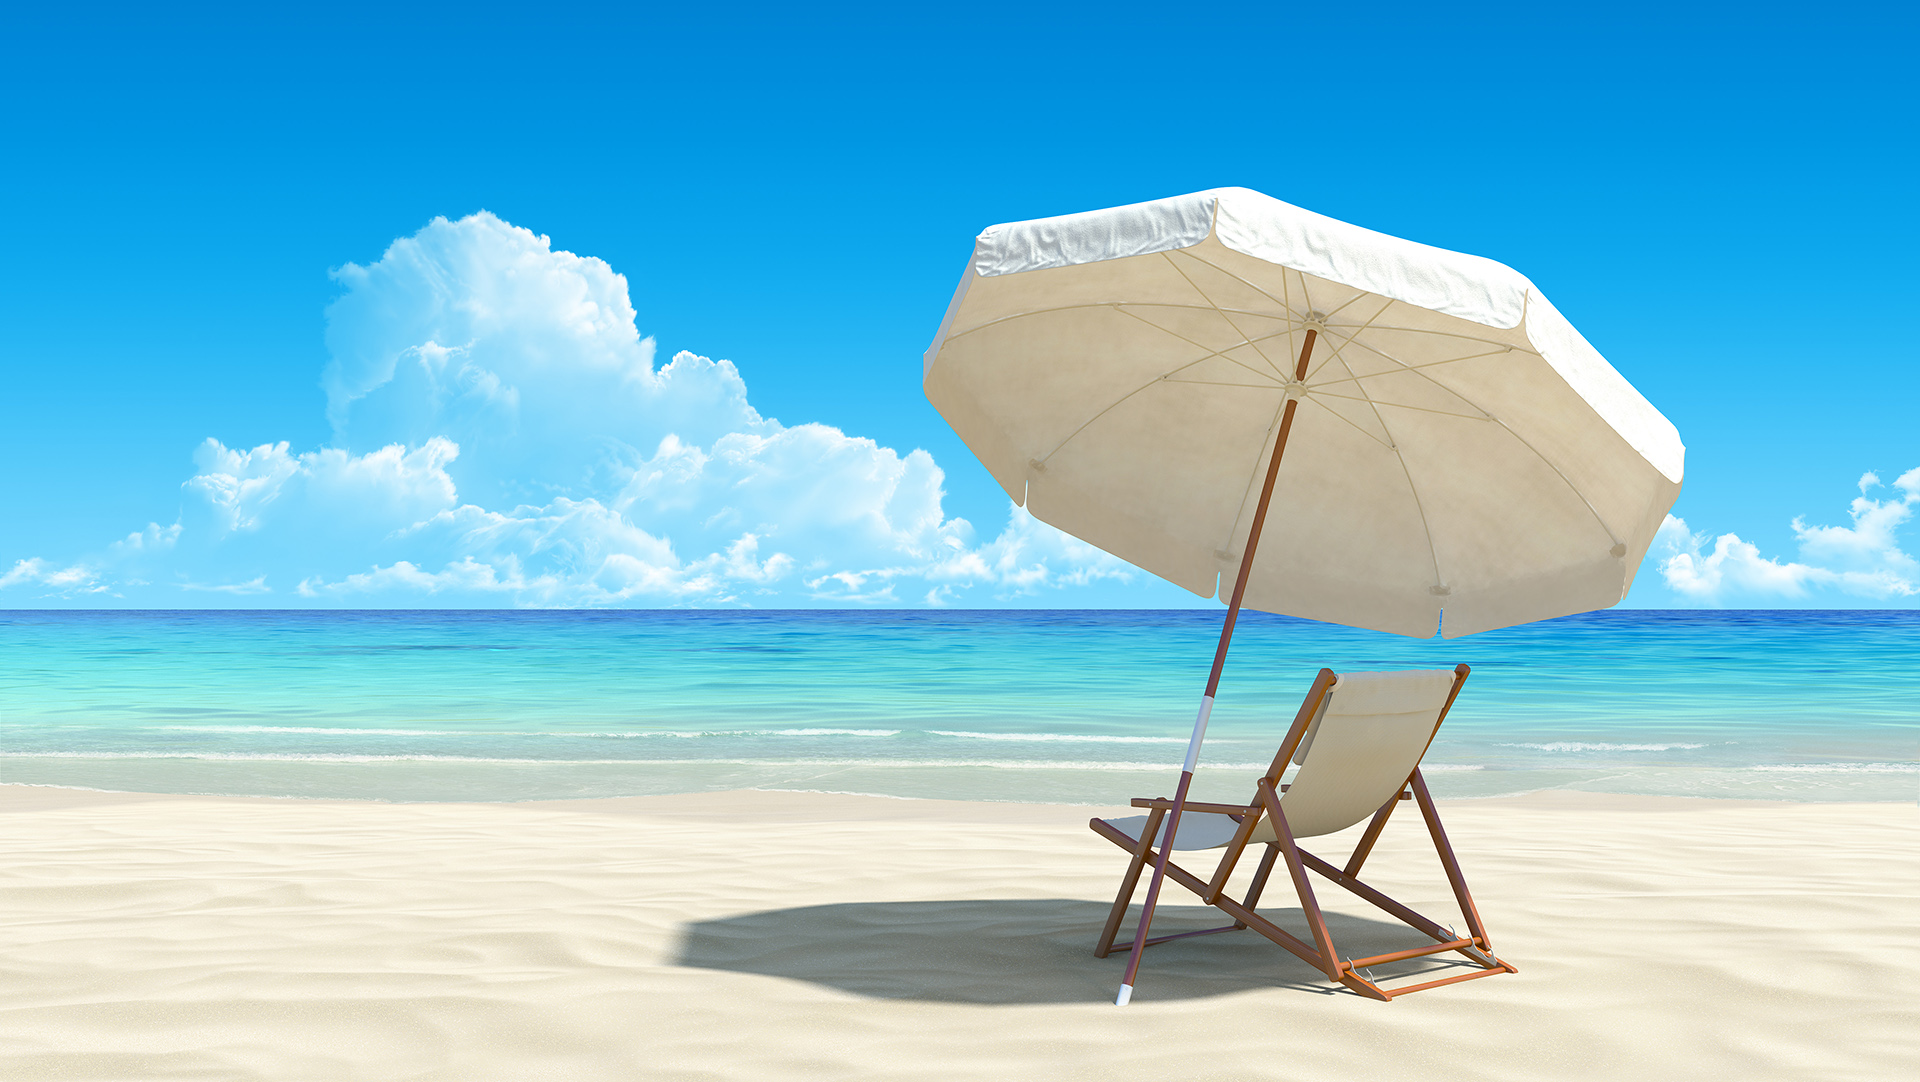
column 1213, row 679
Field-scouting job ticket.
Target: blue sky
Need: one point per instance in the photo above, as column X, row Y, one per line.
column 223, row 221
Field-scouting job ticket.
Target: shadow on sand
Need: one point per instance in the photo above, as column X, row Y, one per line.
column 1007, row 950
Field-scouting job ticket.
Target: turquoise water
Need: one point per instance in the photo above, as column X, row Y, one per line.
column 1069, row 706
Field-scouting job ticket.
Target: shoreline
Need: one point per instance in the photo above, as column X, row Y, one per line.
column 13, row 797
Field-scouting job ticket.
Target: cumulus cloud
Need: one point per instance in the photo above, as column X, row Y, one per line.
column 502, row 435
column 53, row 581
column 155, row 538
column 1862, row 560
column 1030, row 556
column 479, row 332
column 327, row 489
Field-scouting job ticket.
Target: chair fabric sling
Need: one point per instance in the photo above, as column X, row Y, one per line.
column 1358, row 740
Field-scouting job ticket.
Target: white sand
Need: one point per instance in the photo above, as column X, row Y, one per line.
column 778, row 935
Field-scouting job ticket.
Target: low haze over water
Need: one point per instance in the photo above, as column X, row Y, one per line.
column 1059, row 706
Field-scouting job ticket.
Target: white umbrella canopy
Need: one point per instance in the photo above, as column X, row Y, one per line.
column 1459, row 448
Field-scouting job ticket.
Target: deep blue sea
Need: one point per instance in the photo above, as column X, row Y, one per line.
column 1061, row 706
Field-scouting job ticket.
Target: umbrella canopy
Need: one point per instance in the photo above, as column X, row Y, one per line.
column 1458, row 447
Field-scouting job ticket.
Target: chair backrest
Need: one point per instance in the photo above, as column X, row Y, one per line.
column 1364, row 739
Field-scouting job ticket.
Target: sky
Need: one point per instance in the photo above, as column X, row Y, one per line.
column 370, row 306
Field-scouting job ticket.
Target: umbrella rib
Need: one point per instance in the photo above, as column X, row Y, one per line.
column 1333, row 353
column 1400, row 405
column 1286, row 304
column 1223, row 315
column 1211, row 353
column 1455, row 334
column 1162, row 378
column 1419, row 505
column 1353, row 377
column 1549, row 463
column 1355, row 297
column 1254, row 478
column 1285, row 300
column 1356, row 427
column 1220, row 383
column 1594, row 511
column 1405, row 367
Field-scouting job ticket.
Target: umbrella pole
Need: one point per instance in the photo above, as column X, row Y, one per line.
column 1213, row 682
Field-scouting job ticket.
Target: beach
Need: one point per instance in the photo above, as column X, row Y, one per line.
column 709, row 845
column 777, row 935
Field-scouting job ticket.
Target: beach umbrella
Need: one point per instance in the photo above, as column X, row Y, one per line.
column 1457, row 457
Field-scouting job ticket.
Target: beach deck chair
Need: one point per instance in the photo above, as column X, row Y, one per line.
column 1358, row 740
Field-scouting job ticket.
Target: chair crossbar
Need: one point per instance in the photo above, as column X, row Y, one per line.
column 1406, row 915
column 1394, row 993
column 1159, row 939
column 1401, row 956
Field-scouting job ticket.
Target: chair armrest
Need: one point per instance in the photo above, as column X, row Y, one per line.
column 1192, row 805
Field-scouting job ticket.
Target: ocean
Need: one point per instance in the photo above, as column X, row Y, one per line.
column 1088, row 707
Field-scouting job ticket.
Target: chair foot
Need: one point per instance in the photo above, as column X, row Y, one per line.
column 1366, row 987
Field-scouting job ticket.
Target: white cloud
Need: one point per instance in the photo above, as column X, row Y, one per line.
column 465, row 574
column 503, row 436
column 1870, row 546
column 255, row 585
column 154, row 538
column 1862, row 560
column 1030, row 555
column 56, row 581
column 528, row 358
column 1732, row 566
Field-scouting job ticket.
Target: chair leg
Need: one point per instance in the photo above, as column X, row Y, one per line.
column 1454, row 879
column 1129, row 883
column 1259, row 881
column 1309, row 905
column 1474, row 945
column 1372, row 835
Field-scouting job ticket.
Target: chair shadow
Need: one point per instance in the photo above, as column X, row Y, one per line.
column 1023, row 950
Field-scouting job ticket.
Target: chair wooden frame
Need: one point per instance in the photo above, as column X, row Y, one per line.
column 1475, row 946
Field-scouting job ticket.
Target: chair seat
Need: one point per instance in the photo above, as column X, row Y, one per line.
column 1198, row 830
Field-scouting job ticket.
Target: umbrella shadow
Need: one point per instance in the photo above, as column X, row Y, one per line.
column 1020, row 950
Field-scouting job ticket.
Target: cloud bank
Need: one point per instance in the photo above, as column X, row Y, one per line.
column 502, row 435
column 1863, row 560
